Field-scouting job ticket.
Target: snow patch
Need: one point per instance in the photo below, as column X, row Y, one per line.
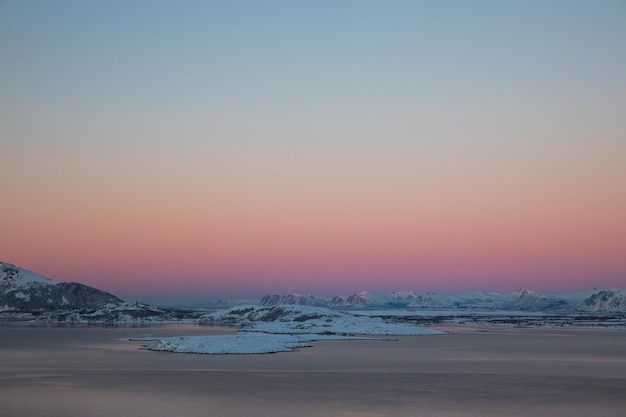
column 19, row 277
column 22, row 296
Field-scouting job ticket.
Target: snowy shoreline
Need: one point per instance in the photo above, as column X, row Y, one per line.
column 282, row 329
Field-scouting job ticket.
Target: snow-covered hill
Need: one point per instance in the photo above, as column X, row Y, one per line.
column 29, row 296
column 25, row 291
column 612, row 301
column 307, row 319
column 266, row 329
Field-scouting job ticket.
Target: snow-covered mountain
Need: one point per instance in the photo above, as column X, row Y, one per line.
column 474, row 300
column 364, row 299
column 25, row 291
column 596, row 300
column 534, row 301
column 292, row 299
column 612, row 301
column 26, row 295
column 398, row 299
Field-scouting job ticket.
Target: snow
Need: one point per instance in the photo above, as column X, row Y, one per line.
column 22, row 296
column 281, row 329
column 22, row 277
column 241, row 343
column 308, row 319
column 577, row 297
column 423, row 312
column 123, row 313
column 348, row 324
column 605, row 301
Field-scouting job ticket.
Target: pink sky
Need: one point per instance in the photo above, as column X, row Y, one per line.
column 554, row 232
column 410, row 146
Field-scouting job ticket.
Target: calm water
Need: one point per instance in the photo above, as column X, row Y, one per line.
column 95, row 371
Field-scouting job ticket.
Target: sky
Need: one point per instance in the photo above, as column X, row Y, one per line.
column 190, row 150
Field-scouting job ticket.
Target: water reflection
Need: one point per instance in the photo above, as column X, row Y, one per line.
column 96, row 371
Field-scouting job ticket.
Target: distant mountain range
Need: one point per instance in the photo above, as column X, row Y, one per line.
column 28, row 296
column 595, row 300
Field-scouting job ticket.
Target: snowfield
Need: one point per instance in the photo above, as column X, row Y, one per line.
column 241, row 343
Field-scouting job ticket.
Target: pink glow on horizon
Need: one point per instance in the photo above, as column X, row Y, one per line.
column 408, row 145
column 318, row 247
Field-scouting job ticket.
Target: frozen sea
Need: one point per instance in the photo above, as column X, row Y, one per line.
column 475, row 371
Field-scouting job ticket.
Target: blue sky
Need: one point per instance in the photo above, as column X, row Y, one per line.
column 280, row 53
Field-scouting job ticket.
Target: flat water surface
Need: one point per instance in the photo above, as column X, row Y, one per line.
column 97, row 371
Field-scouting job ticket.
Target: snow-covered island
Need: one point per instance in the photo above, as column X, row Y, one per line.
column 283, row 328
column 240, row 343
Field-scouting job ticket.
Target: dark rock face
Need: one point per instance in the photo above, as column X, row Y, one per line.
column 25, row 295
column 82, row 296
column 23, row 291
column 292, row 299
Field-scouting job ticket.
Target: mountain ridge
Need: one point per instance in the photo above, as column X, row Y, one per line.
column 25, row 292
column 596, row 300
column 26, row 295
